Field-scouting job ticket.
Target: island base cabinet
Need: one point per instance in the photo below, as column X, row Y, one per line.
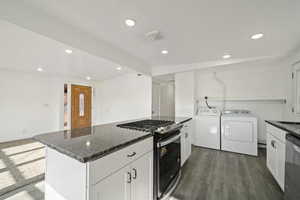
column 133, row 182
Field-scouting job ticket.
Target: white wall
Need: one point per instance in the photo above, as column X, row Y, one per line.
column 247, row 82
column 123, row 98
column 242, row 82
column 30, row 104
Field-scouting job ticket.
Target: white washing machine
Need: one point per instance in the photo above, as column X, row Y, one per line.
column 239, row 132
column 207, row 128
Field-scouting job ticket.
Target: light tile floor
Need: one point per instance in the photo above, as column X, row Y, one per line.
column 22, row 168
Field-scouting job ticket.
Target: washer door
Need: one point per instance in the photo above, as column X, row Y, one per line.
column 207, row 132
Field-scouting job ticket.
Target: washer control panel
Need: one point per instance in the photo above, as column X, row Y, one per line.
column 207, row 111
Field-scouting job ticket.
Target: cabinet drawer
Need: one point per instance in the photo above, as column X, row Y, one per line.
column 276, row 132
column 107, row 165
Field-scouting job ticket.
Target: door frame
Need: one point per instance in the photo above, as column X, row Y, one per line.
column 296, row 96
column 69, row 106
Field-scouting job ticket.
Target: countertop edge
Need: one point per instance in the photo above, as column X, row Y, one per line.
column 274, row 123
column 97, row 155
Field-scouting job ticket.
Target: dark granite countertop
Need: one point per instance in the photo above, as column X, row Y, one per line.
column 92, row 143
column 291, row 127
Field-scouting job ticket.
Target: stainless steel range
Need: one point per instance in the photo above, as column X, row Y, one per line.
column 167, row 157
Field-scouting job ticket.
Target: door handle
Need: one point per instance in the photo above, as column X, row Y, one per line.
column 129, row 177
column 296, row 148
column 134, row 173
column 131, row 155
column 186, row 135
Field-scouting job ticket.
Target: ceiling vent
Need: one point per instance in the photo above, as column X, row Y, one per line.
column 154, row 35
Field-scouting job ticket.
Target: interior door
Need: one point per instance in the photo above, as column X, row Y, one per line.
column 142, row 178
column 155, row 99
column 81, row 108
column 297, row 87
column 115, row 187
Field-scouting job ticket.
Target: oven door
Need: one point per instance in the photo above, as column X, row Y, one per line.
column 169, row 163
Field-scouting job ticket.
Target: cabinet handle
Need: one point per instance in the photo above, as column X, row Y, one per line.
column 129, row 178
column 134, row 173
column 131, row 155
column 296, row 148
column 273, row 144
column 186, row 135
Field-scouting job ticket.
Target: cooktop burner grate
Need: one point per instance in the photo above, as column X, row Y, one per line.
column 146, row 125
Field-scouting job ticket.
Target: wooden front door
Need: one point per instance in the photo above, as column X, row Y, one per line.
column 81, row 106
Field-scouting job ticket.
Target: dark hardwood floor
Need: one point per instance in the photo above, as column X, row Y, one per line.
column 217, row 175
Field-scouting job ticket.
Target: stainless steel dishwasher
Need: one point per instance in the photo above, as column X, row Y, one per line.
column 292, row 168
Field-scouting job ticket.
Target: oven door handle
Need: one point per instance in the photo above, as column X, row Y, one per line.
column 164, row 143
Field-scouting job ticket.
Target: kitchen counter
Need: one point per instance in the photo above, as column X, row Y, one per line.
column 291, row 127
column 92, row 143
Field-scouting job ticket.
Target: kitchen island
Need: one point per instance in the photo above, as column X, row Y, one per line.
column 101, row 162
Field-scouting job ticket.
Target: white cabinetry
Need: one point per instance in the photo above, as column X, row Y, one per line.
column 115, row 186
column 276, row 153
column 126, row 174
column 133, row 182
column 186, row 141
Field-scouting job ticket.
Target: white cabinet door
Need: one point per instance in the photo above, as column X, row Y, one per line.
column 142, row 178
column 280, row 147
column 271, row 154
column 276, row 158
column 186, row 142
column 116, row 186
column 183, row 148
column 188, row 146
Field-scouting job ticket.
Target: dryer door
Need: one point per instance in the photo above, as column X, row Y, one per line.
column 239, row 135
column 238, row 131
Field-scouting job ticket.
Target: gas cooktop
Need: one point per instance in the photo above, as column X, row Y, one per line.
column 146, row 125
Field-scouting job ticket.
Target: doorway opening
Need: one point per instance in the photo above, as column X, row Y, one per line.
column 163, row 96
column 65, row 106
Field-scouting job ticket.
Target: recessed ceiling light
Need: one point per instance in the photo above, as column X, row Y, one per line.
column 88, row 78
column 68, row 51
column 164, row 52
column 226, row 56
column 130, row 22
column 119, row 68
column 39, row 69
column 257, row 36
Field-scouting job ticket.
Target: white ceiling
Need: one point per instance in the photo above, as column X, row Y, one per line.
column 195, row 31
column 24, row 50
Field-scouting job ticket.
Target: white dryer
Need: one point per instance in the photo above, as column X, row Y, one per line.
column 207, row 128
column 239, row 132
